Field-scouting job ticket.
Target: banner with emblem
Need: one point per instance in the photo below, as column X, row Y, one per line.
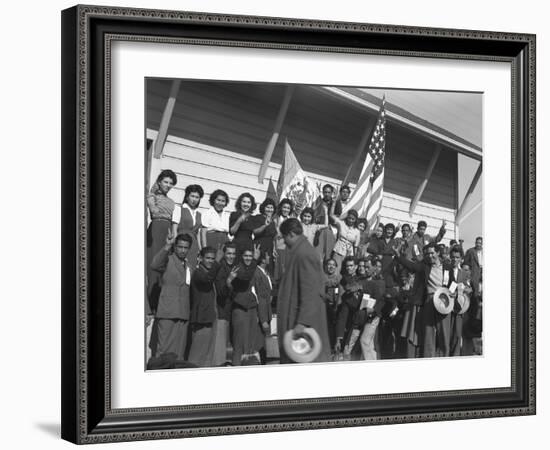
column 294, row 184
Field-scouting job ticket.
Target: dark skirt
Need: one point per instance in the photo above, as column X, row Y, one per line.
column 216, row 239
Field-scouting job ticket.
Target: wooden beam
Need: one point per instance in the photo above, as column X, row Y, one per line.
column 473, row 185
column 360, row 150
column 276, row 131
column 424, row 183
column 471, row 211
column 165, row 120
column 422, row 128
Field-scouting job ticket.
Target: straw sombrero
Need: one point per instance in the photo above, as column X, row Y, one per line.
column 303, row 347
column 443, row 301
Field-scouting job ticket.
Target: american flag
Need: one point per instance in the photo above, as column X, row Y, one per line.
column 367, row 198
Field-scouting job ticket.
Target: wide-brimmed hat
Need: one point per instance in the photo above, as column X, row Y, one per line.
column 303, row 347
column 462, row 303
column 443, row 301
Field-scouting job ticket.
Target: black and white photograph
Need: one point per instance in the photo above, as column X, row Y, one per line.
column 296, row 223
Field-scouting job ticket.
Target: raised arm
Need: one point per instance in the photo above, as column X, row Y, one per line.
column 441, row 232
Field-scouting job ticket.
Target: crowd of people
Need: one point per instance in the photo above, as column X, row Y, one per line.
column 215, row 281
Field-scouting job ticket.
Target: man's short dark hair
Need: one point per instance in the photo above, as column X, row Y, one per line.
column 184, row 237
column 347, row 259
column 291, row 225
column 405, row 225
column 428, row 246
column 328, row 186
column 389, row 226
column 456, row 249
column 345, row 187
column 229, row 245
column 422, row 223
column 479, row 237
column 206, row 250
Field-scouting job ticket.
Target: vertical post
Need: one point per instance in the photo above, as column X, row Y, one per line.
column 424, row 183
column 360, row 149
column 468, row 195
column 166, row 117
column 275, row 135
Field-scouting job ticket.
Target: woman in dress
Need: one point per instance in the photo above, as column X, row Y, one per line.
column 161, row 210
column 241, row 224
column 285, row 210
column 190, row 220
column 266, row 230
column 307, row 217
column 215, row 221
column 348, row 236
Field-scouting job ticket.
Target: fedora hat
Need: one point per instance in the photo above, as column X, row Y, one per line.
column 462, row 302
column 443, row 301
column 303, row 347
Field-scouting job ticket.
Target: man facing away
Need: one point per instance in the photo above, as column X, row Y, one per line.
column 300, row 298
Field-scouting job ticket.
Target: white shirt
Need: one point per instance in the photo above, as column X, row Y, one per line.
column 212, row 220
column 480, row 257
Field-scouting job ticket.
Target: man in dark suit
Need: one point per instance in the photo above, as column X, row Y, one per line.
column 223, row 299
column 300, row 298
column 474, row 259
column 263, row 288
column 172, row 315
column 204, row 307
column 429, row 276
column 458, row 282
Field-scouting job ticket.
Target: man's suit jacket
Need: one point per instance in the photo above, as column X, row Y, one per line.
column 203, row 295
column 472, row 260
column 263, row 292
column 174, row 295
column 417, row 294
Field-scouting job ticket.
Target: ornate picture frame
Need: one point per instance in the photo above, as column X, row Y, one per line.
column 88, row 33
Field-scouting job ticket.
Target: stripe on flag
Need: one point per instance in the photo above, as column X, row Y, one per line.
column 367, row 198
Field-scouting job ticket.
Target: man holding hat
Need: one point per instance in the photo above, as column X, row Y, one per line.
column 300, row 302
column 430, row 275
column 459, row 284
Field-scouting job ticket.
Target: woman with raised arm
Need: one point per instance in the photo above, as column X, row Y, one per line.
column 348, row 236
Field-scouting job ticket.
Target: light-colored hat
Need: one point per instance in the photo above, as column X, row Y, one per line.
column 443, row 301
column 463, row 303
column 304, row 347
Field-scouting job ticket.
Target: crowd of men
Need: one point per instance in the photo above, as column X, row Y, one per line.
column 222, row 286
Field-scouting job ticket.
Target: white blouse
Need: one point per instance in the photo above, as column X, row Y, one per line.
column 212, row 220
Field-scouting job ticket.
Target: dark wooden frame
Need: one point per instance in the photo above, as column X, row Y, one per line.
column 87, row 31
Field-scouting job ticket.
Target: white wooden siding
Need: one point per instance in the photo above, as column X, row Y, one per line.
column 219, row 168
